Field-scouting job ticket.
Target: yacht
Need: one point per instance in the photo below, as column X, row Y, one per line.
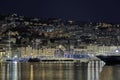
column 111, row 58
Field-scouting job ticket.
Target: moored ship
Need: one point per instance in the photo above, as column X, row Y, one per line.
column 111, row 58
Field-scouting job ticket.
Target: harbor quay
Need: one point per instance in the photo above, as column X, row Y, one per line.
column 51, row 52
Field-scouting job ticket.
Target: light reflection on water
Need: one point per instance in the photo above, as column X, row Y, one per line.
column 58, row 71
column 110, row 73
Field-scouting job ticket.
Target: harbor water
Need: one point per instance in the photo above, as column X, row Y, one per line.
column 94, row 70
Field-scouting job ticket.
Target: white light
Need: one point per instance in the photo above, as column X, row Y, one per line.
column 117, row 51
column 15, row 62
column 60, row 46
column 15, row 56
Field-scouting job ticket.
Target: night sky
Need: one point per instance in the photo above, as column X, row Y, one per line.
column 82, row 10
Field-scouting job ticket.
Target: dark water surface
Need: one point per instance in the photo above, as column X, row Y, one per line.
column 58, row 71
